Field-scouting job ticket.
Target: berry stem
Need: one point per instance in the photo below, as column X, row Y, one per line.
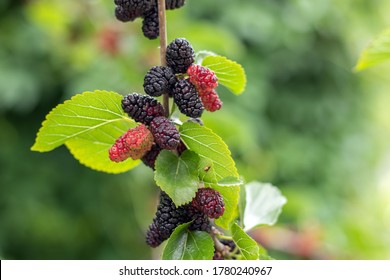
column 163, row 46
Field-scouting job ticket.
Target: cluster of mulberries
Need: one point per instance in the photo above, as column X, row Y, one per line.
column 129, row 10
column 168, row 216
column 191, row 86
column 158, row 132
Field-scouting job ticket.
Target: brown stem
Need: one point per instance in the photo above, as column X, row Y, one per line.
column 163, row 46
column 217, row 244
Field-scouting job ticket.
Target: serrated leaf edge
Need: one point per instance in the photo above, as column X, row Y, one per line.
column 226, row 82
column 236, row 241
column 48, row 117
column 232, row 164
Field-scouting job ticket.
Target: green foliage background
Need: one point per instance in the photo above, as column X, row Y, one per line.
column 306, row 123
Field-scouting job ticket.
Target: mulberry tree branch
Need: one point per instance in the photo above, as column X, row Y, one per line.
column 163, row 46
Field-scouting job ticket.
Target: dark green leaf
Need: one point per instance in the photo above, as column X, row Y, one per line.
column 188, row 245
column 178, row 176
column 248, row 247
column 210, row 146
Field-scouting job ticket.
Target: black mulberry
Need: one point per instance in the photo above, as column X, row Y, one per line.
column 158, row 80
column 165, row 133
column 129, row 10
column 174, row 4
column 187, row 99
column 142, row 108
column 153, row 236
column 167, row 218
column 150, row 25
column 200, row 221
column 180, row 55
column 149, row 159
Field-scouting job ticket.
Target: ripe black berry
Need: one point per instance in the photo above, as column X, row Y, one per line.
column 129, row 10
column 167, row 218
column 200, row 221
column 150, row 25
column 174, row 4
column 158, row 80
column 153, row 236
column 180, row 55
column 165, row 133
column 187, row 99
column 142, row 108
column 149, row 159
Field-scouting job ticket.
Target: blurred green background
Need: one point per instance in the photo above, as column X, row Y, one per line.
column 306, row 123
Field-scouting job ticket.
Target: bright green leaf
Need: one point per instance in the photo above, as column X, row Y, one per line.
column 94, row 154
column 229, row 73
column 210, row 146
column 88, row 124
column 200, row 55
column 188, row 245
column 206, row 171
column 81, row 114
column 230, row 197
column 177, row 176
column 230, row 181
column 263, row 254
column 377, row 52
column 264, row 203
column 248, row 247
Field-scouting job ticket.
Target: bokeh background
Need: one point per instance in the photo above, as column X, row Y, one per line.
column 306, row 123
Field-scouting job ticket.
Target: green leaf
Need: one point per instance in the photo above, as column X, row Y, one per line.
column 264, row 203
column 377, row 52
column 207, row 171
column 248, row 247
column 188, row 245
column 230, row 197
column 88, row 124
column 210, row 146
column 177, row 176
column 263, row 254
column 230, row 181
column 94, row 154
column 200, row 55
column 229, row 73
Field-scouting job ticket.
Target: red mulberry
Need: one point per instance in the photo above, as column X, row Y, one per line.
column 202, row 77
column 134, row 143
column 211, row 101
column 210, row 202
